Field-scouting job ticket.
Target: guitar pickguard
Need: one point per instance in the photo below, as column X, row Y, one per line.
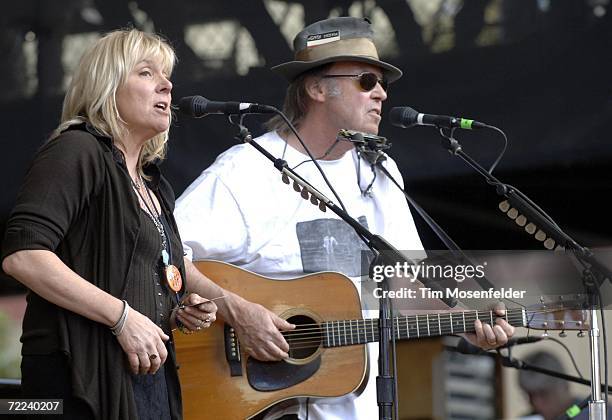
column 274, row 376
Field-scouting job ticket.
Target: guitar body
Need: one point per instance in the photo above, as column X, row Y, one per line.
column 208, row 388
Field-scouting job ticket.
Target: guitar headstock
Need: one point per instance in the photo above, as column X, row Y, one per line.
column 558, row 314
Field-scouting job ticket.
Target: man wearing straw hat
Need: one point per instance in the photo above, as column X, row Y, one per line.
column 239, row 211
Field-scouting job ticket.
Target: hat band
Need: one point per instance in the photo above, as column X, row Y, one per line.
column 353, row 46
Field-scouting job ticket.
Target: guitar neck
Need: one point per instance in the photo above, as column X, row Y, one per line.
column 361, row 331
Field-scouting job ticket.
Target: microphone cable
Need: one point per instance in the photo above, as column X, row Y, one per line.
column 294, row 130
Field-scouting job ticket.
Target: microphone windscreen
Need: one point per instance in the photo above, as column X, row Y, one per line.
column 194, row 106
column 403, row 116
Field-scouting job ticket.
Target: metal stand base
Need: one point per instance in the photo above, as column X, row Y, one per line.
column 597, row 406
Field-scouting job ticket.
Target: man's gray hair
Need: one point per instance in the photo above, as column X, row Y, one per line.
column 296, row 102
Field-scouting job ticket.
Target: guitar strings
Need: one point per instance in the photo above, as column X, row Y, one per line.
column 366, row 324
column 342, row 340
column 356, row 335
column 340, row 332
column 516, row 315
column 312, row 337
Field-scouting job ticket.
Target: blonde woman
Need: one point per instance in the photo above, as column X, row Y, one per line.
column 93, row 237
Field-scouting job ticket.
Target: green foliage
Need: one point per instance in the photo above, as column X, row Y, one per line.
column 10, row 347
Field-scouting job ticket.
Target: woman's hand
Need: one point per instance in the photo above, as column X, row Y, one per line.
column 196, row 312
column 143, row 343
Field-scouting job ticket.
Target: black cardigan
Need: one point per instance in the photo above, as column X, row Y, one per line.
column 77, row 201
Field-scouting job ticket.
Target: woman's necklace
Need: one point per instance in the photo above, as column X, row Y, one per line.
column 171, row 272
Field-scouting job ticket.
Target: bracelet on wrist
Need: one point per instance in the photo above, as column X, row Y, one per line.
column 117, row 329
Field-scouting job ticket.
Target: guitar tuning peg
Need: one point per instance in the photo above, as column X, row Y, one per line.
column 285, row 179
column 314, row 200
column 322, row 206
column 544, row 334
column 296, row 187
column 521, row 220
column 560, row 248
column 512, row 213
column 531, row 228
column 304, row 194
column 549, row 243
column 580, row 334
column 563, row 334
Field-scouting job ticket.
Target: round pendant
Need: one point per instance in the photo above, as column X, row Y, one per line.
column 173, row 277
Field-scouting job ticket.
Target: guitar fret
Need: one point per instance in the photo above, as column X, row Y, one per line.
column 407, row 327
column 397, row 329
column 344, row 329
column 491, row 316
column 439, row 327
column 427, row 319
column 463, row 315
column 334, row 332
column 365, row 340
column 372, row 328
column 450, row 316
column 417, row 325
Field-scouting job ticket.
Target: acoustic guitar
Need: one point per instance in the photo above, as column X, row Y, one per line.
column 327, row 356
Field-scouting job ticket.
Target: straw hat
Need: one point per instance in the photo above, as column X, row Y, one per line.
column 332, row 40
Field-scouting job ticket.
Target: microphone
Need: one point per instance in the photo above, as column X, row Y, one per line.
column 406, row 117
column 465, row 347
column 199, row 106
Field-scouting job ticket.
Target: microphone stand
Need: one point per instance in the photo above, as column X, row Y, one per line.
column 384, row 253
column 592, row 282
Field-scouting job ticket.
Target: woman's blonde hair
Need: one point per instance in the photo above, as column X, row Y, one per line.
column 103, row 68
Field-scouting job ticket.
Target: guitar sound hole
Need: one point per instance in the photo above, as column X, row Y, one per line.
column 305, row 340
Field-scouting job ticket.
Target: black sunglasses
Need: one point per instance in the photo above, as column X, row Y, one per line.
column 367, row 80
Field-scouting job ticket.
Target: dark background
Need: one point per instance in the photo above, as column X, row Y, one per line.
column 539, row 70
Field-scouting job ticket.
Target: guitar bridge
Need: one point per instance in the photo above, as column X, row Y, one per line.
column 232, row 350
